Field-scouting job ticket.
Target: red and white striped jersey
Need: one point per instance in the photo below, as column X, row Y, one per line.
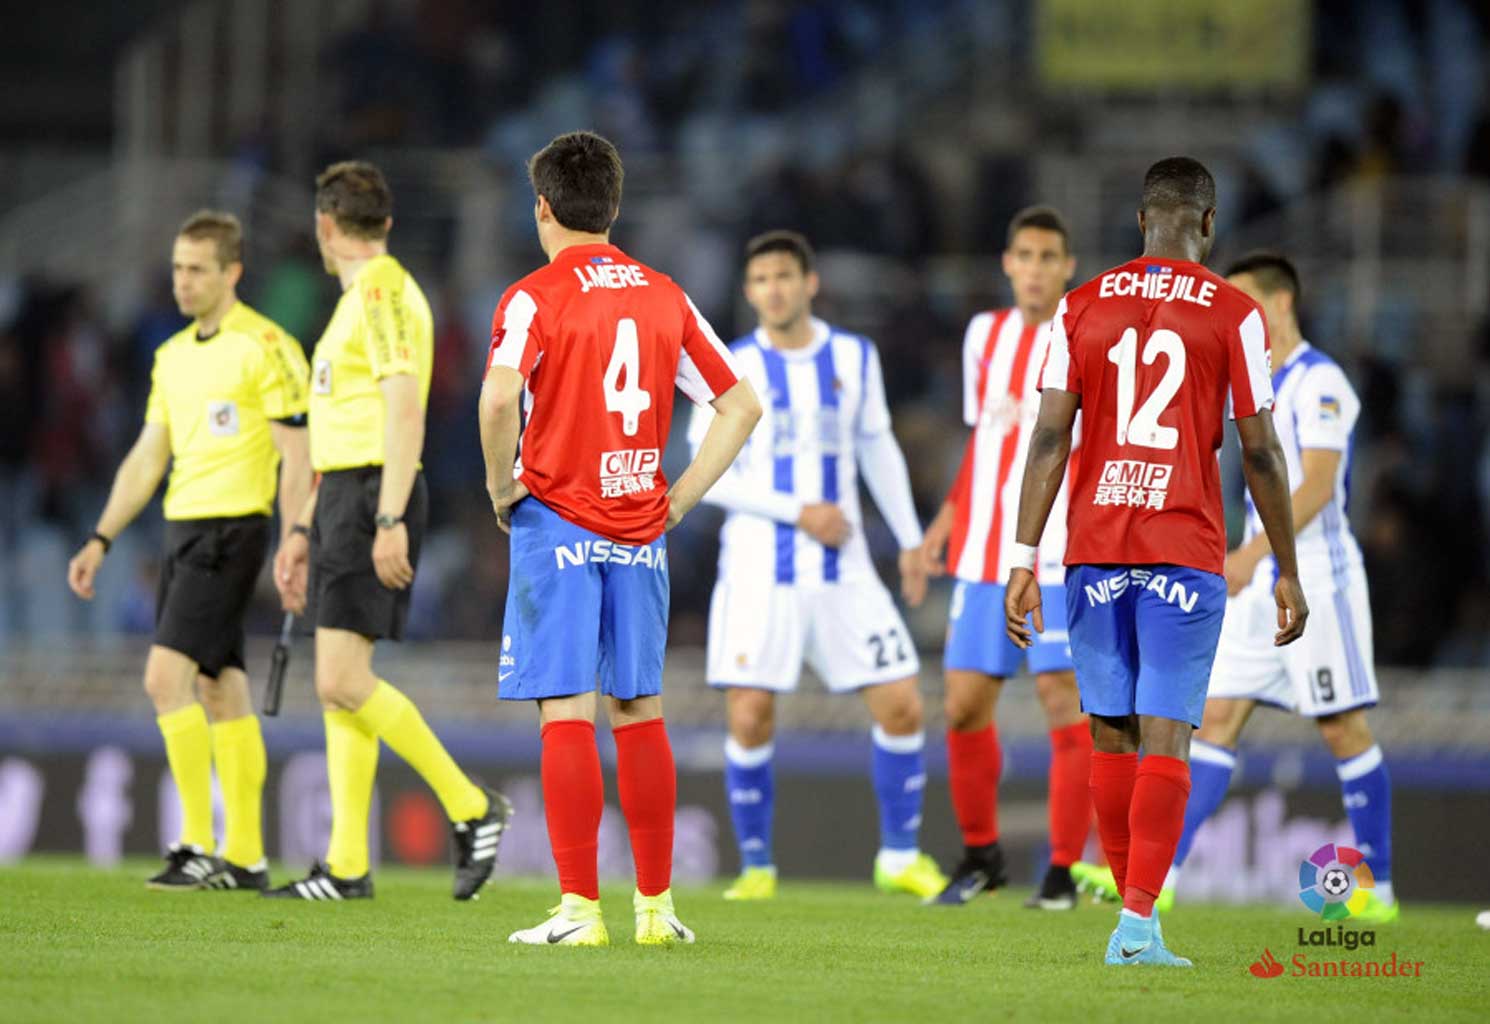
column 1159, row 351
column 1001, row 359
column 601, row 341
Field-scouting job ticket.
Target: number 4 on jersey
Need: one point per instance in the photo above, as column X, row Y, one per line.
column 627, row 399
column 1142, row 428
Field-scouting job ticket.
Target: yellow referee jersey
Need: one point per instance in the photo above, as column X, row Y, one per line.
column 216, row 398
column 382, row 327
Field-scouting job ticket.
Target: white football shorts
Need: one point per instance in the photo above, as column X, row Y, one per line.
column 849, row 633
column 1327, row 670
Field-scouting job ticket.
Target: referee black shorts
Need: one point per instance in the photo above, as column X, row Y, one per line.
column 344, row 587
column 206, row 581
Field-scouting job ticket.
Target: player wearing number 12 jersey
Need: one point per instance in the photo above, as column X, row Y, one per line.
column 593, row 345
column 1154, row 353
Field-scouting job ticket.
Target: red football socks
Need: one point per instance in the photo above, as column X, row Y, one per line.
column 1156, row 820
column 974, row 762
column 573, row 798
column 1070, row 792
column 648, row 782
column 1113, row 778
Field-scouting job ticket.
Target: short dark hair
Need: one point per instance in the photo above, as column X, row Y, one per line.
column 1271, row 270
column 580, row 174
column 357, row 197
column 218, row 226
column 1046, row 218
column 791, row 242
column 1179, row 182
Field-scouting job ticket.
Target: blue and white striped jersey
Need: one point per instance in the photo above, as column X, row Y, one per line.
column 1315, row 407
column 825, row 420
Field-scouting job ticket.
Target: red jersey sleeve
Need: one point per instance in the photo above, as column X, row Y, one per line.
column 706, row 369
column 1249, row 365
column 515, row 339
column 1060, row 371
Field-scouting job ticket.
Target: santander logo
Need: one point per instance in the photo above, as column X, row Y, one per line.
column 1266, row 967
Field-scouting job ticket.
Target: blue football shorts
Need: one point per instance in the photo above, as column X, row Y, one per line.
column 1144, row 638
column 977, row 641
column 581, row 608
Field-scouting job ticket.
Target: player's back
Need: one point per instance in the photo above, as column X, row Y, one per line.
column 1157, row 350
column 602, row 340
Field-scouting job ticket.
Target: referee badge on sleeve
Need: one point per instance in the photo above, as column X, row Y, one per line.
column 321, row 380
column 222, row 418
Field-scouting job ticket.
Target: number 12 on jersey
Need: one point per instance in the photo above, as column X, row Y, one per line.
column 629, row 398
column 1142, row 428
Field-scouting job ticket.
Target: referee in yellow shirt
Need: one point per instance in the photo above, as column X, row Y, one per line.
column 355, row 562
column 227, row 409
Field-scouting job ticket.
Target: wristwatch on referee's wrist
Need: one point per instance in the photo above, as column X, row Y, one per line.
column 387, row 520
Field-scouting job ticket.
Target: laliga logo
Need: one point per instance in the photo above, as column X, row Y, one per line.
column 1334, row 880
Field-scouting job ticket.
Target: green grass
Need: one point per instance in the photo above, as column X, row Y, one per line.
column 79, row 944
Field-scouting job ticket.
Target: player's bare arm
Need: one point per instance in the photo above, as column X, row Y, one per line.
column 500, row 424
column 403, row 440
column 1321, row 469
column 1267, row 480
column 293, row 445
column 934, row 544
column 736, row 413
column 292, row 560
column 135, row 482
column 1044, row 472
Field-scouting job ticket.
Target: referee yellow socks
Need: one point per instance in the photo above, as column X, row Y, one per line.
column 392, row 717
column 189, row 753
column 238, row 750
column 351, row 765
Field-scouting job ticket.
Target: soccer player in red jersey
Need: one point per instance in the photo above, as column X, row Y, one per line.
column 1002, row 356
column 1154, row 353
column 591, row 347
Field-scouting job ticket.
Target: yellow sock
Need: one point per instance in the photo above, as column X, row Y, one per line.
column 351, row 766
column 395, row 720
column 238, row 750
column 189, row 753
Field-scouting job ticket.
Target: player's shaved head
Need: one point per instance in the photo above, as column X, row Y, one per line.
column 1178, row 183
column 1272, row 271
column 580, row 174
column 355, row 194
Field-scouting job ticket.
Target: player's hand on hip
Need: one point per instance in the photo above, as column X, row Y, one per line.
column 825, row 523
column 1293, row 610
column 291, row 572
column 83, row 568
column 1239, row 570
column 390, row 555
column 502, row 500
column 1021, row 605
column 912, row 577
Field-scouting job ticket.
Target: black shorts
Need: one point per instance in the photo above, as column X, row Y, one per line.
column 206, row 581
column 344, row 589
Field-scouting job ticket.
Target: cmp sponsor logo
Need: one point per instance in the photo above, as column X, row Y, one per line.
column 608, row 551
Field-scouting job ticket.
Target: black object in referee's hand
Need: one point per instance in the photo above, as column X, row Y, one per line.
column 279, row 664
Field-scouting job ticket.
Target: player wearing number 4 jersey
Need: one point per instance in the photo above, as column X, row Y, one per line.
column 1328, row 676
column 1153, row 353
column 796, row 583
column 592, row 346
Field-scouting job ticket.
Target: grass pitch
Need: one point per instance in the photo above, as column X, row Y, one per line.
column 81, row 945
